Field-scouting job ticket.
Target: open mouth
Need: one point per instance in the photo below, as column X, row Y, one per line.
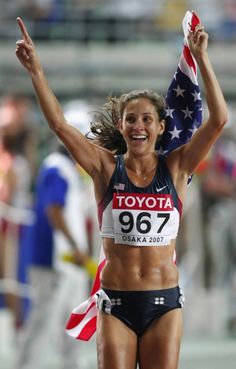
column 139, row 137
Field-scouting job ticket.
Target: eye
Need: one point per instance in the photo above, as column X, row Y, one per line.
column 147, row 118
column 130, row 119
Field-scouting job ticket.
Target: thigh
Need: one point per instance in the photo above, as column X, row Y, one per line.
column 116, row 343
column 159, row 346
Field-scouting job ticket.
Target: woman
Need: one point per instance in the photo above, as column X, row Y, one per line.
column 139, row 197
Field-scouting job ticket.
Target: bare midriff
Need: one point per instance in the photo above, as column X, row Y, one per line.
column 135, row 268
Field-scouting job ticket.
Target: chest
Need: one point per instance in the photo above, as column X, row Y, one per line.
column 141, row 179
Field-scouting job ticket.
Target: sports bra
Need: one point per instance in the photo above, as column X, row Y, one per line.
column 140, row 216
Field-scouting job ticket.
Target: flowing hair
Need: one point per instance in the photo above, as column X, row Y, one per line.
column 104, row 127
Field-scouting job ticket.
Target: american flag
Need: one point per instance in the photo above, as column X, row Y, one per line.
column 184, row 114
column 183, row 99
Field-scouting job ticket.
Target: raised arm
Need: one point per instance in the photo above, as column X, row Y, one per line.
column 191, row 154
column 88, row 155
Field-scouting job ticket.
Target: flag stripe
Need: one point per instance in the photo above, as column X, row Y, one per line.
column 189, row 59
column 96, row 285
column 76, row 317
column 88, row 330
column 81, row 328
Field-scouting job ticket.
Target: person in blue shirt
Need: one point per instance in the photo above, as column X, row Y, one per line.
column 59, row 229
column 52, row 188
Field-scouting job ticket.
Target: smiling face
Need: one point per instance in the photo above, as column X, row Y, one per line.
column 141, row 126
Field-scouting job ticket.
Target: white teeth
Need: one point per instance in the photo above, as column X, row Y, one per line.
column 139, row 137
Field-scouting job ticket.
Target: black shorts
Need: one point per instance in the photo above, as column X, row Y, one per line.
column 138, row 309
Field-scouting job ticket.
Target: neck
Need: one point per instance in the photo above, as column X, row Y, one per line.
column 141, row 165
column 141, row 170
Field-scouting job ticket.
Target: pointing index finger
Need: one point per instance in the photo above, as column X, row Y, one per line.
column 23, row 29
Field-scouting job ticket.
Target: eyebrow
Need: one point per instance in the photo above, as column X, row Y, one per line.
column 145, row 113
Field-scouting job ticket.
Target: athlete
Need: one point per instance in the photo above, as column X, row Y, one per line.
column 139, row 196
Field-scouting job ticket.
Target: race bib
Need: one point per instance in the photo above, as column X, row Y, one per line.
column 144, row 219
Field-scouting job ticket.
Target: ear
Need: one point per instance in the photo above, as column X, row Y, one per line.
column 162, row 126
column 120, row 125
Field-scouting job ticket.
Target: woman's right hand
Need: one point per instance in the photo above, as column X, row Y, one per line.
column 25, row 50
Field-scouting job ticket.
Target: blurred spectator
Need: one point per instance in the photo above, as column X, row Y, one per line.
column 171, row 23
column 7, row 186
column 229, row 21
column 219, row 212
column 112, row 20
column 219, row 190
column 33, row 9
column 130, row 9
column 17, row 121
column 15, row 180
column 59, row 230
column 48, row 10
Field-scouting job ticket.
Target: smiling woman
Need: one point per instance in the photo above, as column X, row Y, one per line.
column 139, row 194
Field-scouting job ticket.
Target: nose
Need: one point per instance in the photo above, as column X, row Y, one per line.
column 138, row 123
